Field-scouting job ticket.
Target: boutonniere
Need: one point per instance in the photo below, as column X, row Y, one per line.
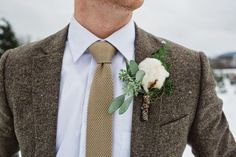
column 151, row 78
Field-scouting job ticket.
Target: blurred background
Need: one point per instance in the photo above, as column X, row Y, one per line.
column 203, row 25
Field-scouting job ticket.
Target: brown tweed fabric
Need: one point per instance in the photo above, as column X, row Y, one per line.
column 29, row 90
column 99, row 122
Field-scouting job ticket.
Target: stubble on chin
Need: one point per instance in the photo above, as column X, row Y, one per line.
column 115, row 4
column 131, row 6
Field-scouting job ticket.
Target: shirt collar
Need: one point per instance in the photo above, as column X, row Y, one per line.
column 79, row 39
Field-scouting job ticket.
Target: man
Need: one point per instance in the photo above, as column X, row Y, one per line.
column 47, row 108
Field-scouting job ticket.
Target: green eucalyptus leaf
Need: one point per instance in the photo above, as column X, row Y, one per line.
column 116, row 103
column 124, row 107
column 139, row 75
column 133, row 67
column 127, row 67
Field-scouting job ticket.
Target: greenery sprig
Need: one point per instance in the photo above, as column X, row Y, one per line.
column 132, row 85
column 168, row 87
column 132, row 82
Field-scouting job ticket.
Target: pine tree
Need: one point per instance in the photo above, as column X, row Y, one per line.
column 8, row 39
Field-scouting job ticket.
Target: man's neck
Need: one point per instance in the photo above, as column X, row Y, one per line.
column 102, row 22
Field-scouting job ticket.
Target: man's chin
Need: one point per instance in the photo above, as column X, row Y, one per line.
column 128, row 5
column 135, row 5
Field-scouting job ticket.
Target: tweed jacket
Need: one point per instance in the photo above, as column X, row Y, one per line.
column 29, row 93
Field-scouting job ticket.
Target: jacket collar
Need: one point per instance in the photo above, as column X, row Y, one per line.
column 145, row 43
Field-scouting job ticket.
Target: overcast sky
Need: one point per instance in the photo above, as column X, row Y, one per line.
column 206, row 25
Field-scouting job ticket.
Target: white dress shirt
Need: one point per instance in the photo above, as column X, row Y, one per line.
column 78, row 68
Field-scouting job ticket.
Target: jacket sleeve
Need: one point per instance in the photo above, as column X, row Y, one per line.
column 8, row 142
column 210, row 135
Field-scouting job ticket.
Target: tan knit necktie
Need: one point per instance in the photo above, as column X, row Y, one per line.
column 99, row 121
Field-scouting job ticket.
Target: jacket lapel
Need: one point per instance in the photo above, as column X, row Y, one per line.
column 144, row 134
column 46, row 74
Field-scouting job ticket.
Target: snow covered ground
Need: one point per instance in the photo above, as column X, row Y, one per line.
column 229, row 108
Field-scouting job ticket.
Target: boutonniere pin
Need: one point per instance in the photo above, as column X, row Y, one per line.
column 151, row 78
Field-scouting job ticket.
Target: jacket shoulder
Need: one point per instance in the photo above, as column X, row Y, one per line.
column 183, row 53
column 177, row 51
column 34, row 48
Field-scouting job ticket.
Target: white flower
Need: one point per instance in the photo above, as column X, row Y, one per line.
column 155, row 73
column 163, row 42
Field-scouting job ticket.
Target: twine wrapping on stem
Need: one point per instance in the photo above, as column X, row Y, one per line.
column 145, row 107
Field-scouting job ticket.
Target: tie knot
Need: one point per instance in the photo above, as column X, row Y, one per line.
column 102, row 52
